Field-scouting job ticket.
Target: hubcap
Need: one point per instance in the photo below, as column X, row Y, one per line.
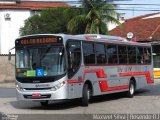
column 88, row 92
column 132, row 89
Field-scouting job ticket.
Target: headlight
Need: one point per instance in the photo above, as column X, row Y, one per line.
column 59, row 85
column 19, row 87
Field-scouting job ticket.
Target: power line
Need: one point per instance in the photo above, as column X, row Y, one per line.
column 126, row 9
column 119, row 5
column 136, row 9
column 138, row 4
column 106, row 2
column 109, row 2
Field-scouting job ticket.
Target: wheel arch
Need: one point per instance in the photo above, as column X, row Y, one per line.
column 90, row 86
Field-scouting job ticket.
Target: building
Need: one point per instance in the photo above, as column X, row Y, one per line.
column 145, row 28
column 13, row 13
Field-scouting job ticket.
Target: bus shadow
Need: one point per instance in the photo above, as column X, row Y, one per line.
column 63, row 105
column 107, row 97
column 53, row 105
column 153, row 90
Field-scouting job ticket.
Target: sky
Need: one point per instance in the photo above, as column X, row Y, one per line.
column 136, row 10
column 132, row 10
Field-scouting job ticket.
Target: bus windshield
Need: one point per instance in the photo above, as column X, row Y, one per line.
column 40, row 62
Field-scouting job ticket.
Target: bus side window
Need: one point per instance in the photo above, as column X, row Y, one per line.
column 122, row 53
column 88, row 53
column 100, row 53
column 132, row 54
column 74, row 57
column 139, row 52
column 111, row 53
column 147, row 55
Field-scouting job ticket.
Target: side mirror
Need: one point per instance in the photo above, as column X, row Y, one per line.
column 9, row 56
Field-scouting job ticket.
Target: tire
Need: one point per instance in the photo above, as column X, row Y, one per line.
column 44, row 103
column 85, row 95
column 131, row 91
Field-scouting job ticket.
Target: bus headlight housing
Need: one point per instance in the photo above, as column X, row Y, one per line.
column 19, row 87
column 59, row 85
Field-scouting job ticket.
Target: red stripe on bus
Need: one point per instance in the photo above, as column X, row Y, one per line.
column 146, row 73
column 118, row 88
column 91, row 65
column 99, row 73
column 73, row 81
column 104, row 86
column 148, row 77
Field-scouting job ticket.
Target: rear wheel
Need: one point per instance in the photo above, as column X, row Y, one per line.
column 86, row 95
column 44, row 103
column 131, row 91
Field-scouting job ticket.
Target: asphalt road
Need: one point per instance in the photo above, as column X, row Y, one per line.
column 145, row 101
column 7, row 92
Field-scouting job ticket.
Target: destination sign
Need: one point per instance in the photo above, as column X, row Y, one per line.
column 42, row 40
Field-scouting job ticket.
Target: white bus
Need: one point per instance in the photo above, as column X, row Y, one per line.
column 60, row 67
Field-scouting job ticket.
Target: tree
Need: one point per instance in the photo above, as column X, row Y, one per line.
column 49, row 21
column 95, row 16
column 91, row 17
column 31, row 25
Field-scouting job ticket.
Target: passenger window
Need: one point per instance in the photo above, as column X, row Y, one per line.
column 111, row 52
column 139, row 51
column 88, row 52
column 100, row 53
column 147, row 55
column 132, row 54
column 122, row 54
column 74, row 57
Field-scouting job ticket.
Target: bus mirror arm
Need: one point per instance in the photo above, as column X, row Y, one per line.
column 9, row 54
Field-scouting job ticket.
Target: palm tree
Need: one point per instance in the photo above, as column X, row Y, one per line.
column 94, row 17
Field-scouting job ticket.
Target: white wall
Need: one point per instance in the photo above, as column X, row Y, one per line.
column 9, row 29
column 113, row 25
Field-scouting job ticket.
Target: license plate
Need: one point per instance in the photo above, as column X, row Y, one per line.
column 36, row 95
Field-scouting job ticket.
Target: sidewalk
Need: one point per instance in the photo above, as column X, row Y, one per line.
column 7, row 85
column 157, row 81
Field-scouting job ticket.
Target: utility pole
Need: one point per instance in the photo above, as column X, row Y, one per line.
column 133, row 12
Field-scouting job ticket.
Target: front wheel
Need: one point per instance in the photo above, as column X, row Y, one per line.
column 131, row 91
column 85, row 95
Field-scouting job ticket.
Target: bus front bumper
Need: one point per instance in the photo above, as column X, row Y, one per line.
column 59, row 94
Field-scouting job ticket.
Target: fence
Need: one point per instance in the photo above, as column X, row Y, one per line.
column 7, row 68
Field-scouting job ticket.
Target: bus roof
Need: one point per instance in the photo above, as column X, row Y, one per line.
column 93, row 37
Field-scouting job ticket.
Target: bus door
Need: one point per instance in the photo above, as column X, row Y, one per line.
column 75, row 71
